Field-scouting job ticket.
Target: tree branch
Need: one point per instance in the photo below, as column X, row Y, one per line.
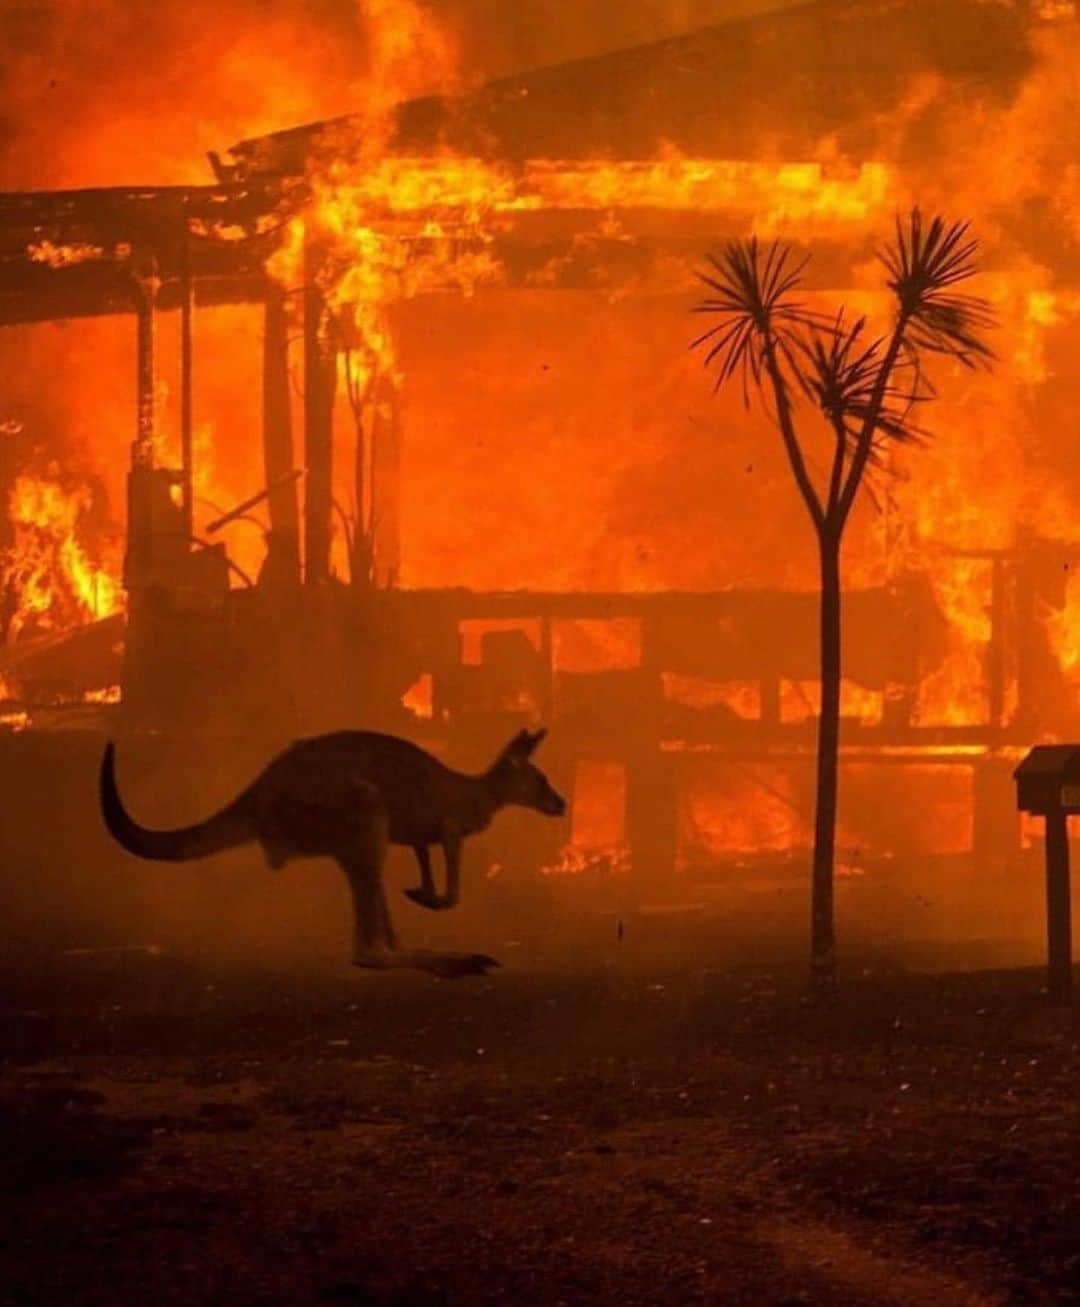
column 865, row 444
column 791, row 440
column 836, row 480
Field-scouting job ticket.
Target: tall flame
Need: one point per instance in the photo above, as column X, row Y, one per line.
column 48, row 577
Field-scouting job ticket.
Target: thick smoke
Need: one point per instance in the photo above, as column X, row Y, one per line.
column 504, row 39
column 137, row 91
column 133, row 91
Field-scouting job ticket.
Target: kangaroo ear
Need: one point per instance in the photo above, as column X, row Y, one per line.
column 523, row 745
column 517, row 749
column 536, row 739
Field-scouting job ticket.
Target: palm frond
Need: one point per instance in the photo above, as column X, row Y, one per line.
column 839, row 370
column 753, row 295
column 925, row 262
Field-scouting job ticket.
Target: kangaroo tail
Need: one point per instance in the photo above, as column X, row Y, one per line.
column 225, row 830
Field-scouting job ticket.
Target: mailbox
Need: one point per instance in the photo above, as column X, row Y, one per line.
column 1049, row 779
column 1048, row 785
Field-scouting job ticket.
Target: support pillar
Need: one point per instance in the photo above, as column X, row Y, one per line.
column 319, row 386
column 142, row 453
column 283, row 546
column 386, row 481
column 997, row 669
column 1058, row 906
column 138, row 561
column 187, row 470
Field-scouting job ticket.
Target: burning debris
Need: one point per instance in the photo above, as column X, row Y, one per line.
column 49, row 580
column 59, row 576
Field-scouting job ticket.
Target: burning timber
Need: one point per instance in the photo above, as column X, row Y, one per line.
column 515, row 190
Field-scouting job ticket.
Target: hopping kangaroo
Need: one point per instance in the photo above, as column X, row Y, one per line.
column 348, row 796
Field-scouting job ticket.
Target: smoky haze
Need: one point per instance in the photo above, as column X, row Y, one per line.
column 122, row 92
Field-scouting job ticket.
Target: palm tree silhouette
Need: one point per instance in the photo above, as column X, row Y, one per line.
column 868, row 390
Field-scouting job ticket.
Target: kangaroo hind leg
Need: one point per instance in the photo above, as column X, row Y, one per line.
column 361, row 854
column 362, row 861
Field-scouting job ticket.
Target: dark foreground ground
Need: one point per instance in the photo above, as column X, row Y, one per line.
column 181, row 1133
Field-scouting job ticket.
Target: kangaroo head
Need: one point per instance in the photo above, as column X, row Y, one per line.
column 517, row 781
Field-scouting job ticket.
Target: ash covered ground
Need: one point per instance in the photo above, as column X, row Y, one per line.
column 195, row 1132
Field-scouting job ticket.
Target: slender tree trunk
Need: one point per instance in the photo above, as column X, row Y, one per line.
column 822, row 928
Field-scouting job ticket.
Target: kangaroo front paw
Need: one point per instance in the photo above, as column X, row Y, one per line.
column 430, row 900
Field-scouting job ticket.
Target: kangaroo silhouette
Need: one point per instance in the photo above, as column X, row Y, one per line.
column 348, row 796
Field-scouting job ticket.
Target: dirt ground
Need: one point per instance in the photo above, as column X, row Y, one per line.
column 192, row 1133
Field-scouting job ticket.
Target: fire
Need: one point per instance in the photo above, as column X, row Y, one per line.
column 216, row 491
column 408, row 51
column 800, row 701
column 110, row 694
column 465, row 192
column 748, row 809
column 419, row 699
column 1063, row 628
column 597, row 847
column 597, row 861
column 63, row 256
column 743, row 698
column 776, row 198
column 49, row 577
column 395, row 228
column 955, row 694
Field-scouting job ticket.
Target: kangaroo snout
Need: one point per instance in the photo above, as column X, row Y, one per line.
column 553, row 804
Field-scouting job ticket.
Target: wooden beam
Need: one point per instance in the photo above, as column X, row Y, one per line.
column 278, row 455
column 187, row 473
column 385, row 486
column 319, row 386
column 1058, row 906
column 142, row 454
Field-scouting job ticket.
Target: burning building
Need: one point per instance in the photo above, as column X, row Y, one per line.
column 412, row 437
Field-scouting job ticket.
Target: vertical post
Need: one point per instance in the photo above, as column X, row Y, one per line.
column 1027, row 624
column 1058, row 905
column 385, row 489
column 996, row 650
column 284, row 542
column 138, row 557
column 142, row 453
column 140, row 661
column 319, row 379
column 769, row 689
column 186, row 407
column 361, row 564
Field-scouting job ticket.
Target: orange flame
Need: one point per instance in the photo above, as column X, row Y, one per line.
column 47, row 571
